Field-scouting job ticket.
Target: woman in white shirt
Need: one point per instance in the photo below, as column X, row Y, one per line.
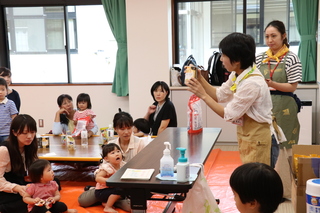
column 246, row 94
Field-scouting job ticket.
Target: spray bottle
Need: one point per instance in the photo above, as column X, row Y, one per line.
column 182, row 166
column 166, row 162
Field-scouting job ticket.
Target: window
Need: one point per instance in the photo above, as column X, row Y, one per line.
column 60, row 44
column 202, row 24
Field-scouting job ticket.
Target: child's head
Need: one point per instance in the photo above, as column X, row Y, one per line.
column 161, row 85
column 40, row 171
column 111, row 153
column 6, row 74
column 142, row 125
column 3, row 89
column 83, row 101
column 239, row 47
column 256, row 185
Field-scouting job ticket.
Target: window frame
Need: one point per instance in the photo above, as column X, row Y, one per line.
column 4, row 46
column 175, row 29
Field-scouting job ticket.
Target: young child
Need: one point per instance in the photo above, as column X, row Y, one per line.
column 112, row 161
column 84, row 110
column 141, row 127
column 8, row 111
column 257, row 188
column 12, row 94
column 43, row 194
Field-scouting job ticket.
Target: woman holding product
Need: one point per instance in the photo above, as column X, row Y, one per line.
column 282, row 71
column 246, row 94
column 16, row 156
column 161, row 114
column 63, row 120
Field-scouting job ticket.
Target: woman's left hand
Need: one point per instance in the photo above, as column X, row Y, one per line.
column 90, row 133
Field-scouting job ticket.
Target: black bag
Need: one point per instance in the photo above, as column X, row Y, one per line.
column 218, row 74
column 190, row 60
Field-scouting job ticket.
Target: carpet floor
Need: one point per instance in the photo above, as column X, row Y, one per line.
column 218, row 168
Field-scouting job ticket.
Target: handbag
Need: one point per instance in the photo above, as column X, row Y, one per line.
column 200, row 198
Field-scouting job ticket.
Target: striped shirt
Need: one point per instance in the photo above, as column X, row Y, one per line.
column 7, row 109
column 293, row 66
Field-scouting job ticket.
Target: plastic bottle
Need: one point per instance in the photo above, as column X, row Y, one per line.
column 183, row 172
column 110, row 132
column 166, row 162
column 194, row 115
column 84, row 138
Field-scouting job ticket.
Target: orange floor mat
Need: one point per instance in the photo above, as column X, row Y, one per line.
column 218, row 168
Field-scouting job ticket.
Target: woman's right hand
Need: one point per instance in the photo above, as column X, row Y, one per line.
column 20, row 189
column 62, row 110
column 152, row 109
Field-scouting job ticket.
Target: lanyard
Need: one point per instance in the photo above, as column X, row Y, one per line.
column 275, row 67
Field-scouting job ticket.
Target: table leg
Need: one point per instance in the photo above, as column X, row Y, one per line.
column 138, row 199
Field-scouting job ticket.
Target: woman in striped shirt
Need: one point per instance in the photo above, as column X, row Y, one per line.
column 283, row 71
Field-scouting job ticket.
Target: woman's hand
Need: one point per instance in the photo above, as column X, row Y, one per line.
column 152, row 109
column 90, row 133
column 20, row 189
column 195, row 87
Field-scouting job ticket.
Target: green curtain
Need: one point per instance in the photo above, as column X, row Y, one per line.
column 116, row 14
column 306, row 15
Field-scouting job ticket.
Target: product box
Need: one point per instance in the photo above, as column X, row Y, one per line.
column 307, row 168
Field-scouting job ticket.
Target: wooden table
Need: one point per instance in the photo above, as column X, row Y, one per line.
column 198, row 147
column 59, row 152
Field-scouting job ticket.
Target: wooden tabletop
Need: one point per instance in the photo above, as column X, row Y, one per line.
column 58, row 151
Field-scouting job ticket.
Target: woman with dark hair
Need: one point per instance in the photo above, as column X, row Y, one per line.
column 129, row 144
column 16, row 156
column 282, row 71
column 161, row 114
column 257, row 187
column 246, row 94
column 63, row 120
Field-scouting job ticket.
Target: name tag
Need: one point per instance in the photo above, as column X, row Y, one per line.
column 238, row 121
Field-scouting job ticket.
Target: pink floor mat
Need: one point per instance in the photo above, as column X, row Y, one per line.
column 218, row 168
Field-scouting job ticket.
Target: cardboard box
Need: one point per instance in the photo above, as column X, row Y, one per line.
column 304, row 173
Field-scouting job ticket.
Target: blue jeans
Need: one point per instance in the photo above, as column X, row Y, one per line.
column 274, row 151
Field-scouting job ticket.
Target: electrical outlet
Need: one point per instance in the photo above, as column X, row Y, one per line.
column 41, row 124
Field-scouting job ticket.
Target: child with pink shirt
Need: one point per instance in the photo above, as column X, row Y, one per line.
column 42, row 195
column 84, row 110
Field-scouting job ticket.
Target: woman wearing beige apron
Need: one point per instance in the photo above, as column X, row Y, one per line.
column 246, row 94
column 282, row 71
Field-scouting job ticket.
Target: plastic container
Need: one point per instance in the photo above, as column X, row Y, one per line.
column 166, row 162
column 110, row 132
column 183, row 171
column 313, row 196
column 194, row 114
column 84, row 138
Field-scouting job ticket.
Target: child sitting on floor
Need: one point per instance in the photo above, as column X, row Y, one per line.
column 42, row 196
column 257, row 188
column 112, row 161
column 141, row 127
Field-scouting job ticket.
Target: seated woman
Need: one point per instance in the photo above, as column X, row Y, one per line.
column 63, row 120
column 15, row 158
column 129, row 144
column 161, row 114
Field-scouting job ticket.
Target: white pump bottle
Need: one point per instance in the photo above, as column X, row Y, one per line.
column 166, row 162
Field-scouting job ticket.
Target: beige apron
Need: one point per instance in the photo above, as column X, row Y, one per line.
column 254, row 141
